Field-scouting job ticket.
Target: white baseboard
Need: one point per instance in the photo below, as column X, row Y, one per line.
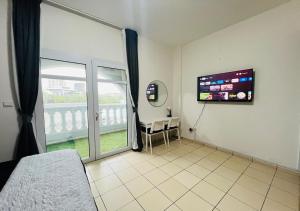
column 251, row 158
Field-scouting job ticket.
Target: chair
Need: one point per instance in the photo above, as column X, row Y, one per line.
column 173, row 124
column 157, row 127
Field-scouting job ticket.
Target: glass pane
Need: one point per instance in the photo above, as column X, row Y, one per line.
column 113, row 116
column 65, row 114
column 59, row 68
column 110, row 74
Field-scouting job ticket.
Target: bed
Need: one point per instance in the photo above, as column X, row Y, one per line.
column 49, row 181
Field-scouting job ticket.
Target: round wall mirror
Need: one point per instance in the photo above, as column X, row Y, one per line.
column 157, row 93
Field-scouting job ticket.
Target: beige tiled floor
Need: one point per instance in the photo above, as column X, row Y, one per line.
column 190, row 176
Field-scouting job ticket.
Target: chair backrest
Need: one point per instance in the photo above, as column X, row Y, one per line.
column 157, row 126
column 173, row 122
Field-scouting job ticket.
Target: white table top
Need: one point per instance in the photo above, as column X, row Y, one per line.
column 148, row 122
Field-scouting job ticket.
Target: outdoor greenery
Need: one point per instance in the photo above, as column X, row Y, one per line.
column 69, row 98
column 80, row 98
column 110, row 99
column 109, row 142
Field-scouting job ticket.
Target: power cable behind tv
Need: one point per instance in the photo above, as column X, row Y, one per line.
column 192, row 129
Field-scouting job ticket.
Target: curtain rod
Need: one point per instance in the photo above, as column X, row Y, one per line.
column 80, row 13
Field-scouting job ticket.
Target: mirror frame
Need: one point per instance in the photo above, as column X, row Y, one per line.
column 164, row 102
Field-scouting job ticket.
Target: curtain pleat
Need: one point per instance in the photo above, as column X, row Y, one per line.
column 133, row 71
column 26, row 33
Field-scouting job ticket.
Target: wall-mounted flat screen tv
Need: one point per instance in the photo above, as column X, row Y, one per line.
column 236, row 86
column 152, row 92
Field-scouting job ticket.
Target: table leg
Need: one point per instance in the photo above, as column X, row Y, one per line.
column 146, row 139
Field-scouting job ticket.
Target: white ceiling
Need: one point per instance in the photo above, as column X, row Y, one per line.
column 173, row 22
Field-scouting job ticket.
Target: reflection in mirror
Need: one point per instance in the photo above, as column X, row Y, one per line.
column 157, row 93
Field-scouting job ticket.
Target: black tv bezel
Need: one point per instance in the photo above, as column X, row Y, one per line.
column 224, row 101
column 155, row 93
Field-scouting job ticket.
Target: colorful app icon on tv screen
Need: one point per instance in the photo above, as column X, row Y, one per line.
column 230, row 86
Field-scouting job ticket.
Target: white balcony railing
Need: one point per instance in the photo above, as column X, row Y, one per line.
column 68, row 121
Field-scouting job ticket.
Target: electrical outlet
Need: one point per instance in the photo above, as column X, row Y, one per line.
column 7, row 104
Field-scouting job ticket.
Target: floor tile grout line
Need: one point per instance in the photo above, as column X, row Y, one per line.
column 255, row 177
column 134, row 199
column 178, row 173
column 99, row 195
column 175, row 164
column 103, row 202
column 185, row 168
column 175, row 175
column 114, row 172
column 268, row 190
column 286, row 190
column 156, row 186
column 235, row 182
column 142, row 175
column 145, row 161
column 249, row 166
column 209, row 183
column 122, row 184
column 213, row 171
column 203, row 179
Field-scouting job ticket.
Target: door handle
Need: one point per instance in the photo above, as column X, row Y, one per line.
column 97, row 116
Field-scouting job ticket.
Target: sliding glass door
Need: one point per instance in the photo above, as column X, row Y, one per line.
column 110, row 88
column 83, row 107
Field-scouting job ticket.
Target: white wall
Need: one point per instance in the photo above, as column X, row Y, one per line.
column 155, row 62
column 269, row 43
column 70, row 33
column 177, row 86
column 8, row 116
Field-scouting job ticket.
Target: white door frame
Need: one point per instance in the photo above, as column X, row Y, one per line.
column 92, row 101
column 39, row 110
column 113, row 65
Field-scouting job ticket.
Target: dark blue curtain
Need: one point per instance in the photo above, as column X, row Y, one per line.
column 133, row 69
column 26, row 31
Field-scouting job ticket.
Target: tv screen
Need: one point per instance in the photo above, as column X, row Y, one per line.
column 236, row 86
column 152, row 92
